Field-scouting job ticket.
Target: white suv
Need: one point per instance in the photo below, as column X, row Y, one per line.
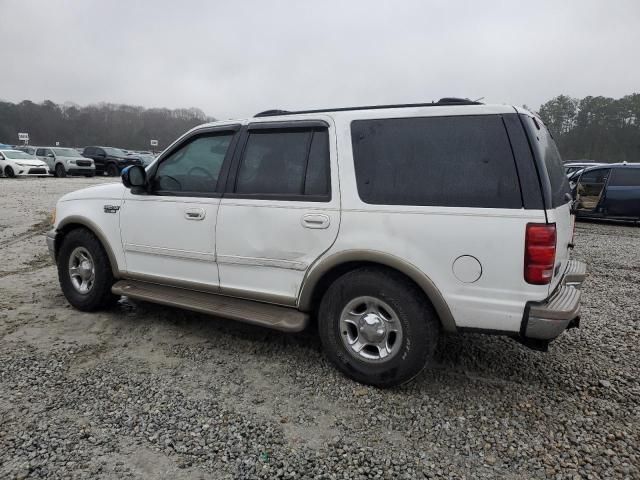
column 387, row 225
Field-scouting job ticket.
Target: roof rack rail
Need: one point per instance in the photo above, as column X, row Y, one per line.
column 443, row 101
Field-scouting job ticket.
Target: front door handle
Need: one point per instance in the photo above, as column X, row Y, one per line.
column 194, row 214
column 315, row 220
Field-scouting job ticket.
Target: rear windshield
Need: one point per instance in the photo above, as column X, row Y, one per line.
column 462, row 161
column 545, row 148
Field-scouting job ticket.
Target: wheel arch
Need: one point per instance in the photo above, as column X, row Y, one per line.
column 73, row 222
column 323, row 273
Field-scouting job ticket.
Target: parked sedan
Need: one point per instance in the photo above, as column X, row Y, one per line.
column 15, row 163
column 611, row 191
column 66, row 161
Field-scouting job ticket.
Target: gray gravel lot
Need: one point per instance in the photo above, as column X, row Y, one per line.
column 143, row 391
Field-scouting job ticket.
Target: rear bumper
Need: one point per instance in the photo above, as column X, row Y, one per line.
column 547, row 319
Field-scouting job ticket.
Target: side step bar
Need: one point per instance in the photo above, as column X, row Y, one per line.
column 257, row 313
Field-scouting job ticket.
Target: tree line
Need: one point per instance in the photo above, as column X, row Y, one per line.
column 596, row 128
column 107, row 124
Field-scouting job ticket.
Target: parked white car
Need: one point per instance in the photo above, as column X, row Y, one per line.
column 14, row 163
column 66, row 161
column 386, row 225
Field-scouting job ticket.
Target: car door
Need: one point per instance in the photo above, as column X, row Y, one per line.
column 590, row 189
column 168, row 232
column 42, row 154
column 622, row 198
column 280, row 210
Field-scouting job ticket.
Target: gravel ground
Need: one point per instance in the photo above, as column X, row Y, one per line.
column 143, row 391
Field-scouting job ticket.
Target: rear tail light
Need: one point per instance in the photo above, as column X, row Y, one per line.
column 539, row 253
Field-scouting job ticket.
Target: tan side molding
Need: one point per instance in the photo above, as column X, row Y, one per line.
column 324, row 265
column 97, row 231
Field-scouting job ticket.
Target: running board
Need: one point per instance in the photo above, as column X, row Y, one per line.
column 257, row 313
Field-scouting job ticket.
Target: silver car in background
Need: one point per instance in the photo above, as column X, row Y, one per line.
column 66, row 161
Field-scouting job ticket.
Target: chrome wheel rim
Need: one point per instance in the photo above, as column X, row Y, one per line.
column 370, row 330
column 82, row 270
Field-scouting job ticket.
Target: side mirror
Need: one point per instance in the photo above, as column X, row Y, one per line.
column 50, row 155
column 101, row 155
column 134, row 176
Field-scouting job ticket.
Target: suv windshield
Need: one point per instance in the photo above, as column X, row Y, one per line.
column 116, row 152
column 65, row 152
column 16, row 155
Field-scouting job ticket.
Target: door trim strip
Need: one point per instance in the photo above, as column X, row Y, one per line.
column 170, row 252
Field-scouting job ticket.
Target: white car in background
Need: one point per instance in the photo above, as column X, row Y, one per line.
column 14, row 163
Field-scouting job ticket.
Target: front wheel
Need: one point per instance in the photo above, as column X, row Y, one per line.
column 112, row 170
column 84, row 271
column 60, row 172
column 8, row 172
column 377, row 327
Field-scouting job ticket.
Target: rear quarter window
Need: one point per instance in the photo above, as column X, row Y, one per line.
column 547, row 152
column 622, row 177
column 462, row 161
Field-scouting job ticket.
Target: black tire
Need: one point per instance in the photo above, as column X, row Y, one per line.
column 60, row 172
column 112, row 170
column 8, row 172
column 420, row 326
column 99, row 296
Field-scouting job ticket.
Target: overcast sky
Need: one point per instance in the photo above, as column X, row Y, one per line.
column 235, row 58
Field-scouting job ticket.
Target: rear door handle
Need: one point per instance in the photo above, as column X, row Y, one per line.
column 194, row 214
column 315, row 220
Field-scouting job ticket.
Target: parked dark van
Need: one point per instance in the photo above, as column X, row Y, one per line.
column 609, row 191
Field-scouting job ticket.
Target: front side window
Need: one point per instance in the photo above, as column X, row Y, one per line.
column 194, row 167
column 40, row 152
column 285, row 162
column 590, row 188
column 461, row 161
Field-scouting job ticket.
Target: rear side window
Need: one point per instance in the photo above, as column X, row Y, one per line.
column 285, row 162
column 463, row 161
column 545, row 148
column 623, row 177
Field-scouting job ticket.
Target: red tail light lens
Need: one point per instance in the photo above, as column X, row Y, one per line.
column 539, row 253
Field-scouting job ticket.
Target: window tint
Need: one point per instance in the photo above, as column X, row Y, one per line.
column 463, row 161
column 625, row 177
column 285, row 162
column 317, row 178
column 545, row 146
column 40, row 152
column 194, row 167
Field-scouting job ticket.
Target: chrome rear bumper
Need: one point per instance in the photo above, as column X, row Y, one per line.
column 547, row 319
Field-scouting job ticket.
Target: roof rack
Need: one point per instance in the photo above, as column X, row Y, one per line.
column 443, row 101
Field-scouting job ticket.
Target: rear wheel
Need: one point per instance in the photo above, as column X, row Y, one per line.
column 60, row 172
column 112, row 170
column 377, row 327
column 84, row 271
column 8, row 172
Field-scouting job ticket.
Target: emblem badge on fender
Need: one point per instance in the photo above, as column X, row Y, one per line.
column 111, row 208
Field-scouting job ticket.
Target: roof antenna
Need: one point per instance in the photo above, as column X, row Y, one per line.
column 478, row 99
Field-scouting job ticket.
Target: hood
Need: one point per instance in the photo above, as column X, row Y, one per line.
column 106, row 191
column 78, row 157
column 29, row 162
